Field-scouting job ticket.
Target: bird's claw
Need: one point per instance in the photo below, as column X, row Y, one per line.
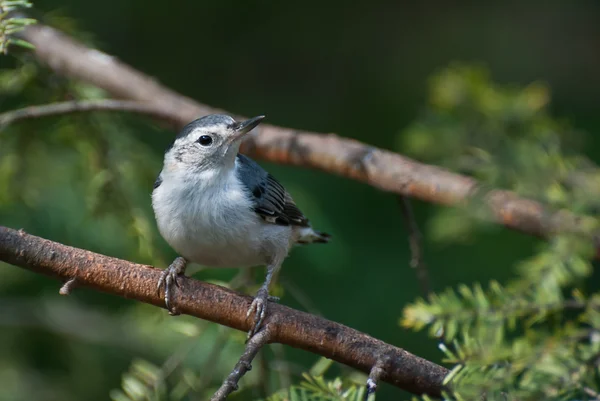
column 258, row 308
column 169, row 277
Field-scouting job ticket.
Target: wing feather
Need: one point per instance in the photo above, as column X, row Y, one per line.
column 271, row 201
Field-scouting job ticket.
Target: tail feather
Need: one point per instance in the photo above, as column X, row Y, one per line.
column 310, row 236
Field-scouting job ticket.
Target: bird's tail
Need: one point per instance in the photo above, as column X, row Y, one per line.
column 309, row 236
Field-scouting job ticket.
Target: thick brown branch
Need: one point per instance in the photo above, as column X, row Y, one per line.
column 349, row 158
column 223, row 306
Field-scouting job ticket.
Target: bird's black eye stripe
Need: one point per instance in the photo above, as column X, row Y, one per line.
column 205, row 140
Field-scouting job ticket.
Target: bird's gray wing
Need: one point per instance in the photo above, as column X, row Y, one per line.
column 271, row 200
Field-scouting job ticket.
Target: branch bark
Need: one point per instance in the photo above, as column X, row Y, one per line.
column 379, row 168
column 223, row 306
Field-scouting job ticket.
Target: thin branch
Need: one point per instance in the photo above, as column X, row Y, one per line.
column 61, row 108
column 415, row 241
column 374, row 376
column 230, row 384
column 68, row 287
column 221, row 305
column 379, row 168
column 591, row 393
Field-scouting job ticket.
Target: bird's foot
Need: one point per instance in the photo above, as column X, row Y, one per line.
column 170, row 277
column 258, row 308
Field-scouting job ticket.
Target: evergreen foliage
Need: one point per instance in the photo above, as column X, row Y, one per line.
column 11, row 24
column 536, row 337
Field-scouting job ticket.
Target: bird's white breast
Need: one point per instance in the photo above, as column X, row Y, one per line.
column 210, row 220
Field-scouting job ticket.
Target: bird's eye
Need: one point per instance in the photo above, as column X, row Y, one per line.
column 205, row 140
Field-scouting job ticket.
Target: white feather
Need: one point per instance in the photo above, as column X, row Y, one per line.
column 208, row 219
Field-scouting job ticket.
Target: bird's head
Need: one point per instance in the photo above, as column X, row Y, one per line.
column 209, row 142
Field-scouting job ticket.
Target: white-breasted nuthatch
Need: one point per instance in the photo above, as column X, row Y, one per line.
column 219, row 208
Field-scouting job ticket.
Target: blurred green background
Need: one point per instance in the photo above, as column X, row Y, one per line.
column 360, row 69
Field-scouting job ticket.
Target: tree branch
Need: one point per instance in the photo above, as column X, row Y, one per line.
column 85, row 106
column 379, row 168
column 223, row 306
column 375, row 374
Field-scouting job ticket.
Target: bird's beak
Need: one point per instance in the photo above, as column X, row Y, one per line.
column 244, row 127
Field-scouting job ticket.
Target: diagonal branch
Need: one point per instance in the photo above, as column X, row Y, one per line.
column 223, row 306
column 379, row 168
column 254, row 344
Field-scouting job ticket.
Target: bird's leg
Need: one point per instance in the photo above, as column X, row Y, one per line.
column 169, row 277
column 259, row 304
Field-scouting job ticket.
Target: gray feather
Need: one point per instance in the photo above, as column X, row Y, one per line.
column 157, row 182
column 271, row 200
column 207, row 121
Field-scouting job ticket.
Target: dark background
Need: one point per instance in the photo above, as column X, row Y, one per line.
column 359, row 69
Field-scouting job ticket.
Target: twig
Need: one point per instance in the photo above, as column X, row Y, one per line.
column 221, row 305
column 591, row 393
column 254, row 344
column 61, row 108
column 379, row 168
column 68, row 287
column 415, row 240
column 374, row 376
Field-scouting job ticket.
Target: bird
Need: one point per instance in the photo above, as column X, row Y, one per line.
column 219, row 208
